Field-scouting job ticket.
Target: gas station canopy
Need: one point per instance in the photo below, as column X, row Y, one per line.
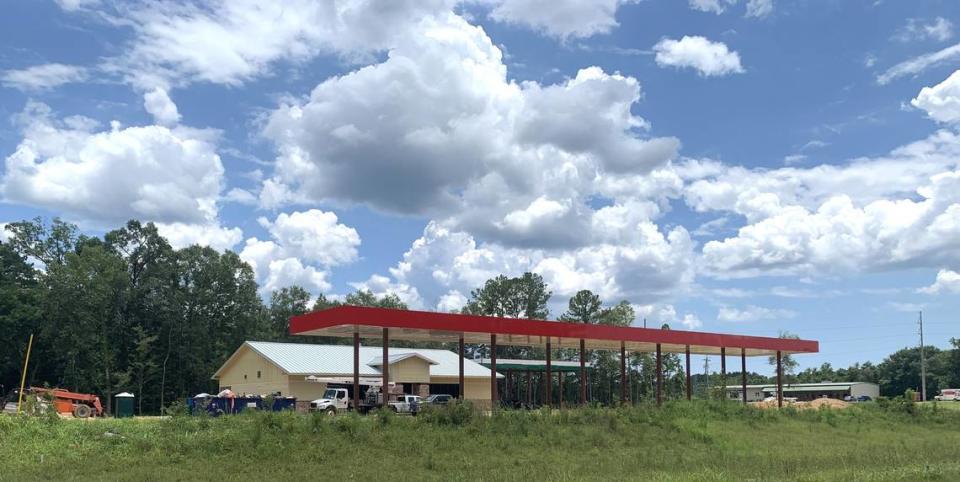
column 409, row 325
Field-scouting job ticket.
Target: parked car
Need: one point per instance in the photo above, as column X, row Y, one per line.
column 439, row 399
column 864, row 398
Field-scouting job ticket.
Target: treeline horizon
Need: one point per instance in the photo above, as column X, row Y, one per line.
column 128, row 312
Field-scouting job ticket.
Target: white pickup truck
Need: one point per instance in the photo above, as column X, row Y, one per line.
column 948, row 395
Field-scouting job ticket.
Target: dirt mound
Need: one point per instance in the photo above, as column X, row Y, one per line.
column 827, row 402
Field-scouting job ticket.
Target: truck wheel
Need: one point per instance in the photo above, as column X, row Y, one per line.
column 82, row 411
column 330, row 411
column 395, row 409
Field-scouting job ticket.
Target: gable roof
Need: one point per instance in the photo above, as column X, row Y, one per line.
column 394, row 358
column 304, row 359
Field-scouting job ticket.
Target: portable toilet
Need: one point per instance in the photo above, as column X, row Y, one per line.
column 123, row 405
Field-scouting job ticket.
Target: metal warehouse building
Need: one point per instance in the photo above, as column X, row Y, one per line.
column 806, row 391
column 259, row 368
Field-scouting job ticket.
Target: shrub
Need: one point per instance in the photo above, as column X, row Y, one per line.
column 457, row 413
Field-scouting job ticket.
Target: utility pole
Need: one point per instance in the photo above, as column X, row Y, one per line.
column 923, row 364
column 644, row 321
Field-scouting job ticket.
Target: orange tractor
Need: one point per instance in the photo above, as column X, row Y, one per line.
column 81, row 405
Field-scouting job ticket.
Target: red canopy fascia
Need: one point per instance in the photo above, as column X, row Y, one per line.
column 344, row 321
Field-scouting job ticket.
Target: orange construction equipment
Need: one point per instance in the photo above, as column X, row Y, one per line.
column 81, row 405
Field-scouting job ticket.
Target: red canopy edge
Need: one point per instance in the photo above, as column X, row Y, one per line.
column 432, row 325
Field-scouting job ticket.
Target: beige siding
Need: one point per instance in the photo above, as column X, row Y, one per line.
column 410, row 370
column 305, row 390
column 476, row 389
column 241, row 375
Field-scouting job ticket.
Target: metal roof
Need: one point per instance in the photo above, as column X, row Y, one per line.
column 394, row 358
column 803, row 387
column 337, row 360
column 344, row 321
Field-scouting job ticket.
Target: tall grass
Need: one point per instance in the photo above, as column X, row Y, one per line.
column 680, row 441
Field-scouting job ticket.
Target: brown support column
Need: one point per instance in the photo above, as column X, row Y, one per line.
column 659, row 376
column 462, row 393
column 494, row 397
column 689, row 385
column 779, row 379
column 583, row 373
column 548, row 380
column 385, row 369
column 623, row 373
column 356, row 370
column 743, row 373
column 723, row 373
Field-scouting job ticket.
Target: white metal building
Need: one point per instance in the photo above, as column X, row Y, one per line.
column 806, row 391
column 260, row 368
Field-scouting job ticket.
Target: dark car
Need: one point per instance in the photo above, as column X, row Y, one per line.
column 439, row 399
column 864, row 398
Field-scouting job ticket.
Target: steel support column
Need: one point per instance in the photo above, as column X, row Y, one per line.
column 494, row 397
column 689, row 385
column 548, row 380
column 583, row 373
column 779, row 379
column 385, row 369
column 743, row 373
column 356, row 370
column 460, row 379
column 723, row 373
column 659, row 376
column 623, row 373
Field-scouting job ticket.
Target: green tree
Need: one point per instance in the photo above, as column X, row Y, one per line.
column 47, row 244
column 583, row 307
column 83, row 311
column 284, row 303
column 525, row 296
column 789, row 364
column 901, row 371
column 20, row 314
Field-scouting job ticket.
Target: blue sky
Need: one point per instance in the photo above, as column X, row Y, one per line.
column 743, row 166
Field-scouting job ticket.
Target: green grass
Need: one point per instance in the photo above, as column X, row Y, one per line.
column 682, row 441
column 951, row 405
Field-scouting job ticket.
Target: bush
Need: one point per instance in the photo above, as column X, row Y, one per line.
column 457, row 413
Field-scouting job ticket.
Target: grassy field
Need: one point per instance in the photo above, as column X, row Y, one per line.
column 682, row 441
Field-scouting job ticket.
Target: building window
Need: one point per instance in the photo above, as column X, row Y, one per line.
column 258, row 373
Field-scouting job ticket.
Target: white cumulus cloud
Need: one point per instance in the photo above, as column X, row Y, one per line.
column 152, row 172
column 942, row 101
column 948, row 281
column 707, row 57
column 158, row 103
column 560, row 18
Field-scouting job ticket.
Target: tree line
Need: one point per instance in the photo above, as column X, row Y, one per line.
column 127, row 312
